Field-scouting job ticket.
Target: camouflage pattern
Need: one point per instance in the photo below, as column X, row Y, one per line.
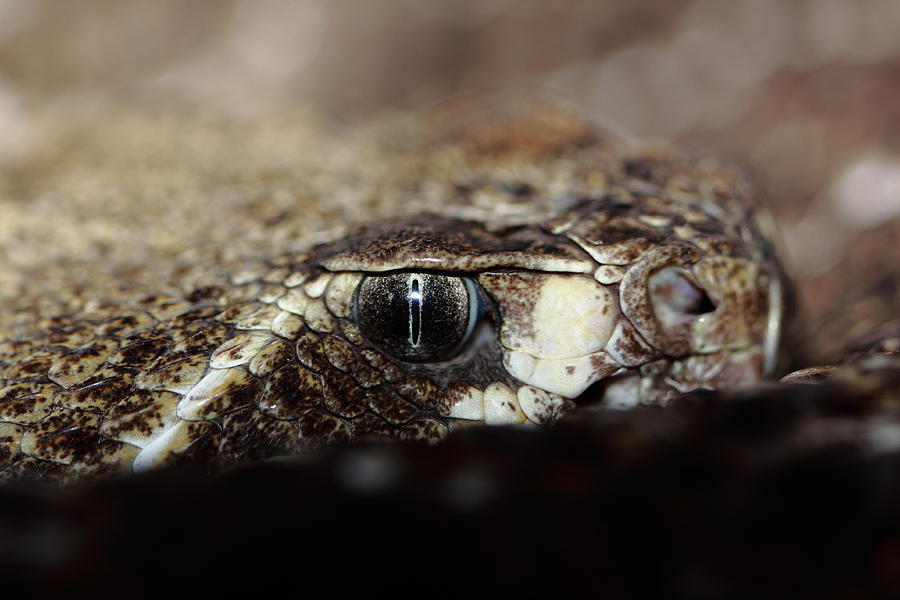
column 269, row 360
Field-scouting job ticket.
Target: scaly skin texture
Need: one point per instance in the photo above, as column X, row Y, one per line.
column 236, row 363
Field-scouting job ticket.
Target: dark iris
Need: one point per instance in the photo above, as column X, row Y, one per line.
column 416, row 316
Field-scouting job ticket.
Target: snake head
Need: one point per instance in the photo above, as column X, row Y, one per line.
column 549, row 265
column 513, row 324
column 627, row 284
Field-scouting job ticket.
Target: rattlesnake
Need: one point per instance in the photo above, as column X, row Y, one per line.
column 516, row 262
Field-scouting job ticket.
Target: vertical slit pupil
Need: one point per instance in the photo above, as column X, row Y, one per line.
column 415, row 312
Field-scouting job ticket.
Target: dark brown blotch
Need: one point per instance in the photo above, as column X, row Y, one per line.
column 343, row 396
column 63, row 437
column 311, row 353
column 369, row 426
column 28, row 468
column 319, row 427
column 124, row 325
column 424, row 431
column 290, row 392
column 390, row 406
column 201, row 336
column 420, row 391
column 201, row 451
column 98, row 396
column 29, row 368
column 140, row 415
column 252, row 435
column 140, row 353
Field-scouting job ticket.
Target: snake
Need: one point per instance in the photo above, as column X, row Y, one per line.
column 521, row 277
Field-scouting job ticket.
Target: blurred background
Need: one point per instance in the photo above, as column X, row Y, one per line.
column 803, row 93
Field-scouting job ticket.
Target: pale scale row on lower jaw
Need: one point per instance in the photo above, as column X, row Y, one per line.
column 498, row 404
column 214, row 394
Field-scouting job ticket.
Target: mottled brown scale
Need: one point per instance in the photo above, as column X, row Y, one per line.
column 140, row 352
column 164, row 307
column 105, row 458
column 628, row 347
column 291, row 391
column 318, row 318
column 175, row 372
column 198, row 446
column 270, row 293
column 250, row 434
column 63, row 437
column 603, row 228
column 319, row 427
column 420, row 391
column 389, row 405
column 428, row 431
column 140, row 416
column 238, row 349
column 311, row 352
column 78, row 365
column 240, row 294
column 10, row 436
column 200, row 337
column 239, row 312
column 287, row 325
column 390, row 371
column 271, row 357
column 16, row 349
column 341, row 355
column 343, row 395
column 31, row 367
column 368, row 426
column 100, row 395
column 233, row 389
column 122, row 326
column 276, row 275
column 260, row 354
column 261, row 318
column 69, row 337
column 27, row 403
column 351, row 333
column 520, row 294
column 29, row 468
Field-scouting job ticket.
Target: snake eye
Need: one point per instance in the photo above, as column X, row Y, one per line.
column 417, row 316
column 676, row 299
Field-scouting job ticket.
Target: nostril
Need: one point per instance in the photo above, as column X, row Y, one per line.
column 676, row 298
column 699, row 303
